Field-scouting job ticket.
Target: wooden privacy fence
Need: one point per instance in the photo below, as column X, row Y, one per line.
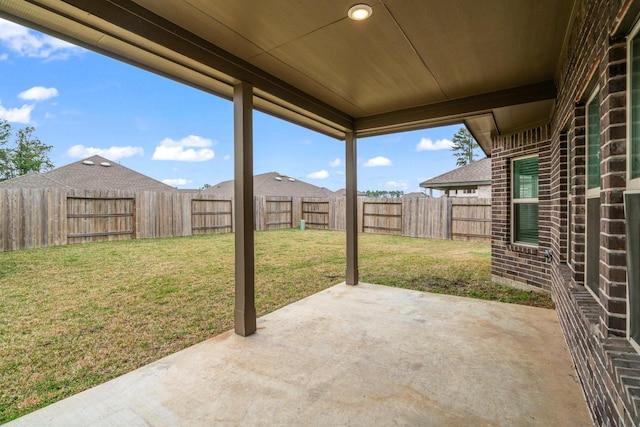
column 272, row 213
column 316, row 214
column 92, row 219
column 211, row 216
column 383, row 216
column 31, row 218
column 471, row 220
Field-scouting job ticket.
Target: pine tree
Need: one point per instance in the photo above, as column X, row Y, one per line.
column 464, row 146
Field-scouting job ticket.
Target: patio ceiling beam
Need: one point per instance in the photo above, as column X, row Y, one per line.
column 245, row 311
column 453, row 111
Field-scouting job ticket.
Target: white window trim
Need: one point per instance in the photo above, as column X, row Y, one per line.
column 591, row 192
column 519, row 201
column 632, row 184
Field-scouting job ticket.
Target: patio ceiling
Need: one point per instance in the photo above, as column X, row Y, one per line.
column 490, row 64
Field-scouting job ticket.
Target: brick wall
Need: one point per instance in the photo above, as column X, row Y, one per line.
column 612, row 183
column 594, row 324
column 512, row 263
column 578, row 195
column 608, row 368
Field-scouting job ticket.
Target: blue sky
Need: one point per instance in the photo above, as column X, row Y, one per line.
column 83, row 103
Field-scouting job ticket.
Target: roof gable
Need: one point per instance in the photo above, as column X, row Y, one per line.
column 473, row 174
column 273, row 184
column 92, row 173
column 98, row 173
column 32, row 180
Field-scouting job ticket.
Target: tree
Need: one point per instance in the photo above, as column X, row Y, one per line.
column 28, row 154
column 384, row 193
column 5, row 133
column 464, row 146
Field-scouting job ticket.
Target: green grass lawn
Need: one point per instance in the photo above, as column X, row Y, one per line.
column 74, row 316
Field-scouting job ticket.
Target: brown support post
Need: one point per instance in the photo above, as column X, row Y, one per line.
column 245, row 311
column 352, row 209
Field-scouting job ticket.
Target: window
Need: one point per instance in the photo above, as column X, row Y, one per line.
column 632, row 195
column 593, row 141
column 592, row 250
column 634, row 110
column 632, row 210
column 524, row 200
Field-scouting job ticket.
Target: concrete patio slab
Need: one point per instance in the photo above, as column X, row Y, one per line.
column 360, row 356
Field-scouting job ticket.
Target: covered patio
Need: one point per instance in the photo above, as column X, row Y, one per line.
column 358, row 355
column 365, row 355
column 319, row 66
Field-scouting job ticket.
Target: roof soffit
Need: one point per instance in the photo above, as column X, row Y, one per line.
column 312, row 65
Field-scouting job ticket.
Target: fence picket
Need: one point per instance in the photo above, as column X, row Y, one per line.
column 32, row 218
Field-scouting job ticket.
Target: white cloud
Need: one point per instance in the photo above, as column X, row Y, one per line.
column 427, row 144
column 377, row 161
column 34, row 45
column 399, row 185
column 227, row 157
column 321, row 174
column 170, row 149
column 4, row 56
column 337, row 162
column 16, row 115
column 111, row 153
column 176, row 182
column 38, row 93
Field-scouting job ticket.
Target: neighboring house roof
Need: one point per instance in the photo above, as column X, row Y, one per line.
column 343, row 192
column 273, row 184
column 414, row 194
column 471, row 175
column 92, row 173
column 31, row 180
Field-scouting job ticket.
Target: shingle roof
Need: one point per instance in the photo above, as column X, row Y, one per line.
column 473, row 174
column 413, row 195
column 93, row 173
column 343, row 192
column 31, row 180
column 273, row 184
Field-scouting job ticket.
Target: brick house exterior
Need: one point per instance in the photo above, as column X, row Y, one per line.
column 536, row 99
column 594, row 321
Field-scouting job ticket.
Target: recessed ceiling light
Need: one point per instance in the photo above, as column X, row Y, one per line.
column 360, row 12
